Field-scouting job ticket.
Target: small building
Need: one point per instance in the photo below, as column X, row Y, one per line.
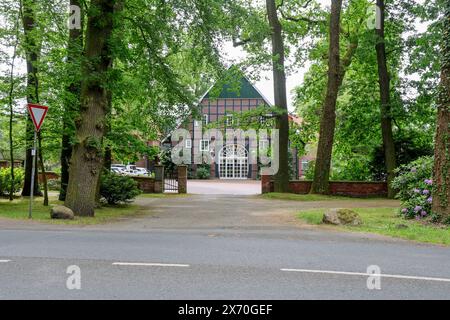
column 219, row 105
column 6, row 163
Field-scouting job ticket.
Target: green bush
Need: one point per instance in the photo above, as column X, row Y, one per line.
column 309, row 173
column 354, row 168
column 54, row 184
column 116, row 188
column 414, row 185
column 203, row 172
column 5, row 180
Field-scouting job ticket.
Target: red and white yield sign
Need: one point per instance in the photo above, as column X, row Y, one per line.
column 37, row 114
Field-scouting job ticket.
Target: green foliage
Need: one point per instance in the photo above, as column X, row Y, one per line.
column 408, row 147
column 414, row 185
column 54, row 184
column 118, row 189
column 357, row 151
column 353, row 168
column 309, row 173
column 203, row 172
column 166, row 160
column 5, row 180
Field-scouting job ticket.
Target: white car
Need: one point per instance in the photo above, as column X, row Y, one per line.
column 118, row 168
column 142, row 171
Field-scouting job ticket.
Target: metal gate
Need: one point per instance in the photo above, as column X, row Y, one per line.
column 171, row 179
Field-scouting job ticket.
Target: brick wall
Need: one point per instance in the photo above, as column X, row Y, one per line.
column 50, row 176
column 342, row 188
column 146, row 184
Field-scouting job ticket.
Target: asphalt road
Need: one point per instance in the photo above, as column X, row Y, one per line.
column 218, row 261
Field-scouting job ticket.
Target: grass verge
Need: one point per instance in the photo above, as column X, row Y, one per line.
column 308, row 197
column 18, row 209
column 385, row 221
column 163, row 195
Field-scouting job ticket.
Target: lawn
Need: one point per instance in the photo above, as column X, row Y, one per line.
column 306, row 197
column 385, row 221
column 18, row 209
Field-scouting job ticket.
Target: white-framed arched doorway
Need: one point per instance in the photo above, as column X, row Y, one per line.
column 233, row 162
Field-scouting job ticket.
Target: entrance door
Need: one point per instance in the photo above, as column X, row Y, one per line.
column 233, row 162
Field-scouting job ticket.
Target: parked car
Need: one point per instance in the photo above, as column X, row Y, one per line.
column 131, row 170
column 118, row 169
column 142, row 171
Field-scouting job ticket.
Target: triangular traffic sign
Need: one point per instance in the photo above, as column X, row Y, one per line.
column 37, row 114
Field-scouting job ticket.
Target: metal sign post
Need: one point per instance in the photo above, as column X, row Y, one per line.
column 37, row 114
column 33, row 172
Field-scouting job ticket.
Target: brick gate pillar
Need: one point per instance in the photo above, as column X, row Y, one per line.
column 182, row 179
column 265, row 183
column 159, row 179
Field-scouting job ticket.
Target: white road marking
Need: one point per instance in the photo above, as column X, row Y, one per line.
column 395, row 276
column 4, row 261
column 150, row 264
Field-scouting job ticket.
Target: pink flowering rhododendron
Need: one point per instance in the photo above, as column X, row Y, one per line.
column 414, row 185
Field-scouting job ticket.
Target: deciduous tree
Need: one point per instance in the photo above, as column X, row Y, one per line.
column 441, row 180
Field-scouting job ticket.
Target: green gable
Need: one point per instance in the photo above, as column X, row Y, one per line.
column 234, row 85
column 240, row 89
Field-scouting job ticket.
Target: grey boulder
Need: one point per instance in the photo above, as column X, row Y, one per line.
column 342, row 217
column 61, row 212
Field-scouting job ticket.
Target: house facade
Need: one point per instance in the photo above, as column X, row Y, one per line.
column 221, row 108
column 233, row 159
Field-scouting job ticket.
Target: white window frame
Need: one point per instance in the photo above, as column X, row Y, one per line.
column 205, row 119
column 305, row 161
column 229, row 120
column 195, row 123
column 263, row 144
column 202, row 149
column 188, row 144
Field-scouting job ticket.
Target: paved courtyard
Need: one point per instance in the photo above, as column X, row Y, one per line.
column 231, row 187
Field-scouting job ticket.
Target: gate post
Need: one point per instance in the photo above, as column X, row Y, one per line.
column 159, row 179
column 182, row 179
column 266, row 184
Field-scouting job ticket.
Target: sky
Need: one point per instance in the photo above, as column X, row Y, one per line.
column 265, row 84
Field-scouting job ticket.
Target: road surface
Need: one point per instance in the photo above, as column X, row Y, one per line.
column 216, row 247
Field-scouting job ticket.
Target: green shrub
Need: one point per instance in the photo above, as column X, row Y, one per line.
column 414, row 185
column 116, row 188
column 203, row 172
column 5, row 180
column 309, row 173
column 355, row 168
column 54, row 184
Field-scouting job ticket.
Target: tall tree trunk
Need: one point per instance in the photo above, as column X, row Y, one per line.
column 31, row 46
column 320, row 184
column 107, row 152
column 72, row 104
column 86, row 161
column 41, row 164
column 11, row 113
column 441, row 174
column 279, row 84
column 385, row 102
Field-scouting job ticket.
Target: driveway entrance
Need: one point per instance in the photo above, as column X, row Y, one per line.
column 228, row 186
